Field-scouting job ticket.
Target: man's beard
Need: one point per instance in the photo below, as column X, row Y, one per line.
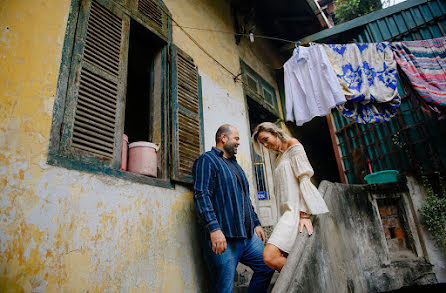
column 231, row 149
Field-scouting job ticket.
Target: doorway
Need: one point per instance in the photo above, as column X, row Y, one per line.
column 263, row 166
column 315, row 137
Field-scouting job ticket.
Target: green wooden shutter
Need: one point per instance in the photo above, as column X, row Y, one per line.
column 93, row 122
column 153, row 13
column 187, row 140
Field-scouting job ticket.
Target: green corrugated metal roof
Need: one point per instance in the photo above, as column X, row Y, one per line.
column 410, row 20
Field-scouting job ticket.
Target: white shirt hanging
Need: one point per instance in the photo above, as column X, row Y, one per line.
column 311, row 86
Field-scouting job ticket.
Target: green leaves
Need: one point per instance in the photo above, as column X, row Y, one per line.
column 346, row 10
column 434, row 212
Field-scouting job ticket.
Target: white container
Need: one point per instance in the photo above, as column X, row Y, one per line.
column 142, row 158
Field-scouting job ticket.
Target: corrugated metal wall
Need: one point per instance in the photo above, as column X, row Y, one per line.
column 414, row 140
column 419, row 22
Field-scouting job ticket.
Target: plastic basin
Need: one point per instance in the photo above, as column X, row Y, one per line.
column 143, row 158
column 385, row 176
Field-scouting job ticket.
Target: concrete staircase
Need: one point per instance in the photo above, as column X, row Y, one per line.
column 349, row 251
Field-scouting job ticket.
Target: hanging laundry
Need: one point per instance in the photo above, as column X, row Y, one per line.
column 311, row 86
column 368, row 76
column 424, row 63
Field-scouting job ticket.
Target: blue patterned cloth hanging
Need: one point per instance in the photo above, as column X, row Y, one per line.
column 368, row 77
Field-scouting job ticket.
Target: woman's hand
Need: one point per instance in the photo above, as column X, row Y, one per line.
column 261, row 233
column 305, row 221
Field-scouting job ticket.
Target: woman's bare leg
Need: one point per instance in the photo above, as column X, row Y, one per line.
column 273, row 257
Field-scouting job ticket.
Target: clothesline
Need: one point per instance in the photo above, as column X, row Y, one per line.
column 251, row 35
column 365, row 76
column 241, row 34
column 378, row 110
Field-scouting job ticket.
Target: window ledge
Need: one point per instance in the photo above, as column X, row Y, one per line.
column 59, row 161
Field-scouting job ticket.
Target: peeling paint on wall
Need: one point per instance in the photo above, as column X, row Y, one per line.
column 221, row 109
column 106, row 227
column 216, row 15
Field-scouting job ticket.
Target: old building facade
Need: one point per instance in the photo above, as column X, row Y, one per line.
column 71, row 219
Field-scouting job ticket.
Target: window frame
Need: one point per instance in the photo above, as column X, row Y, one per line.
column 55, row 156
column 264, row 89
column 262, row 85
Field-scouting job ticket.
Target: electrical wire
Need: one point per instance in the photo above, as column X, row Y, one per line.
column 240, row 34
column 247, row 35
column 235, row 77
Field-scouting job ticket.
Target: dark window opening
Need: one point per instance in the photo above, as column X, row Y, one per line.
column 140, row 112
column 144, row 89
column 392, row 232
column 315, row 137
column 395, row 225
column 258, row 114
column 260, row 176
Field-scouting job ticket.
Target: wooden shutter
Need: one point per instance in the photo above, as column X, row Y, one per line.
column 155, row 15
column 93, row 122
column 187, row 140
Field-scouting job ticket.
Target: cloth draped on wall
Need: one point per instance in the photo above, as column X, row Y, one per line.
column 424, row 64
column 311, row 86
column 368, row 76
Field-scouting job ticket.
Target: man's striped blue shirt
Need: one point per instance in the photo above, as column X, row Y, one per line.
column 218, row 196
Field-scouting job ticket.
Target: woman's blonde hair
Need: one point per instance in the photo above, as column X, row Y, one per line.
column 271, row 128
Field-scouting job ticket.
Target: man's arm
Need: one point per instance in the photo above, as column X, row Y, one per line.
column 203, row 189
column 255, row 218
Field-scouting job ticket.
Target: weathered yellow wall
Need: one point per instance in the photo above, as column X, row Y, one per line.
column 63, row 230
column 216, row 15
column 223, row 99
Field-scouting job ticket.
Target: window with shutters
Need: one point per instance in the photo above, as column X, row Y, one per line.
column 258, row 89
column 120, row 74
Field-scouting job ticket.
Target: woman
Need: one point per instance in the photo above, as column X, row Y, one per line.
column 296, row 197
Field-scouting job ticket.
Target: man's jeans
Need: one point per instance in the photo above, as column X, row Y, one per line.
column 222, row 267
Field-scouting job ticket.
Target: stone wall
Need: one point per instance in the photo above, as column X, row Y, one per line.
column 350, row 250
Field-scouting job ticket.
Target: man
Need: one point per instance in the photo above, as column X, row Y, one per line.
column 221, row 197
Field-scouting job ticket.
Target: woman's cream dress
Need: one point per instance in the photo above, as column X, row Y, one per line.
column 294, row 193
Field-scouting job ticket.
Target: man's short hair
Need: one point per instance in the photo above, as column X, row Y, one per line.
column 224, row 129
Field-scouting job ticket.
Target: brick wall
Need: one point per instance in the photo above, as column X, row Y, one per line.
column 392, row 224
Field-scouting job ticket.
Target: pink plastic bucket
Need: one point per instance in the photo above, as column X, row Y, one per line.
column 125, row 149
column 142, row 158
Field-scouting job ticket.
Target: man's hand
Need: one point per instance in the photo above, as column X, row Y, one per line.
column 259, row 231
column 218, row 242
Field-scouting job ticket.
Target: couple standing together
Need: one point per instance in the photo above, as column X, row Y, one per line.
column 232, row 229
